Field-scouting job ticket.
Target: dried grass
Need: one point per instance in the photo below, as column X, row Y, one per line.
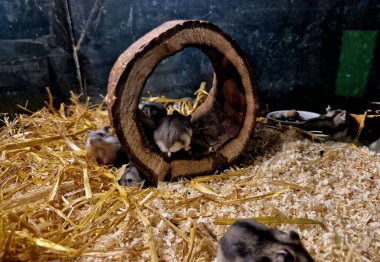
column 56, row 203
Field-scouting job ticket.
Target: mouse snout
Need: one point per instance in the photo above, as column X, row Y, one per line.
column 129, row 181
column 95, row 141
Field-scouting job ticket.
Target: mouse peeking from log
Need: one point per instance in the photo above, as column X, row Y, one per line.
column 171, row 133
column 131, row 177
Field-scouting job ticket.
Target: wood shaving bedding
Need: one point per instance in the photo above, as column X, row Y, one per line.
column 48, row 211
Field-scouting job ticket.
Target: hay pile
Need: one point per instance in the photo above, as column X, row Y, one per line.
column 55, row 202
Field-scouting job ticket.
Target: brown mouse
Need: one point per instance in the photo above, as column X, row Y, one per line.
column 105, row 147
column 173, row 133
column 249, row 240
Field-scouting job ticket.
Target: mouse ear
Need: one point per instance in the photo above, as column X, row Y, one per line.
column 293, row 234
column 176, row 113
column 283, row 256
column 132, row 169
column 107, row 129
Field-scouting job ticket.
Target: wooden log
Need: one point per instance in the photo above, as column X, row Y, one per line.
column 226, row 120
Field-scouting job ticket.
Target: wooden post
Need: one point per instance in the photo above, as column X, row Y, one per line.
column 226, row 119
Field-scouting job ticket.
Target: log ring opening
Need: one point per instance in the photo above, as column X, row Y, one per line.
column 227, row 116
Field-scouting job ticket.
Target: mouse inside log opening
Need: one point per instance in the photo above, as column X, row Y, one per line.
column 196, row 126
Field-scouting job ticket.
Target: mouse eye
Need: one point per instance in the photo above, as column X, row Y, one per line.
column 129, row 180
column 100, row 134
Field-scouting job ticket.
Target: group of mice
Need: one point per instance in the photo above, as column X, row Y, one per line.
column 245, row 240
column 171, row 134
column 107, row 150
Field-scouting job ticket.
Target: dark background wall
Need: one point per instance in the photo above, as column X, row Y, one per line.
column 306, row 54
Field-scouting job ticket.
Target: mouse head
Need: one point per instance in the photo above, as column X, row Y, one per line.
column 131, row 177
column 340, row 117
column 288, row 247
column 95, row 138
column 182, row 118
column 155, row 111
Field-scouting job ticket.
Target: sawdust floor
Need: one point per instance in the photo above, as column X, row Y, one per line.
column 55, row 202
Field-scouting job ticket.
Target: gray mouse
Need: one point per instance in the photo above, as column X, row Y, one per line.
column 173, row 133
column 375, row 146
column 154, row 111
column 249, row 240
column 131, row 177
column 105, row 147
column 334, row 123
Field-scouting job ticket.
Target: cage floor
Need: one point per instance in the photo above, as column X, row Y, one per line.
column 56, row 202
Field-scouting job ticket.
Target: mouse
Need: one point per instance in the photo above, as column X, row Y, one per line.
column 154, row 111
column 131, row 177
column 105, row 147
column 375, row 146
column 249, row 240
column 335, row 123
column 173, row 133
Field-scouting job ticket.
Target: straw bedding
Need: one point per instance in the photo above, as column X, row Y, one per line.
column 57, row 203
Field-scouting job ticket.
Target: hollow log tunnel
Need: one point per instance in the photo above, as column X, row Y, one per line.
column 227, row 118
